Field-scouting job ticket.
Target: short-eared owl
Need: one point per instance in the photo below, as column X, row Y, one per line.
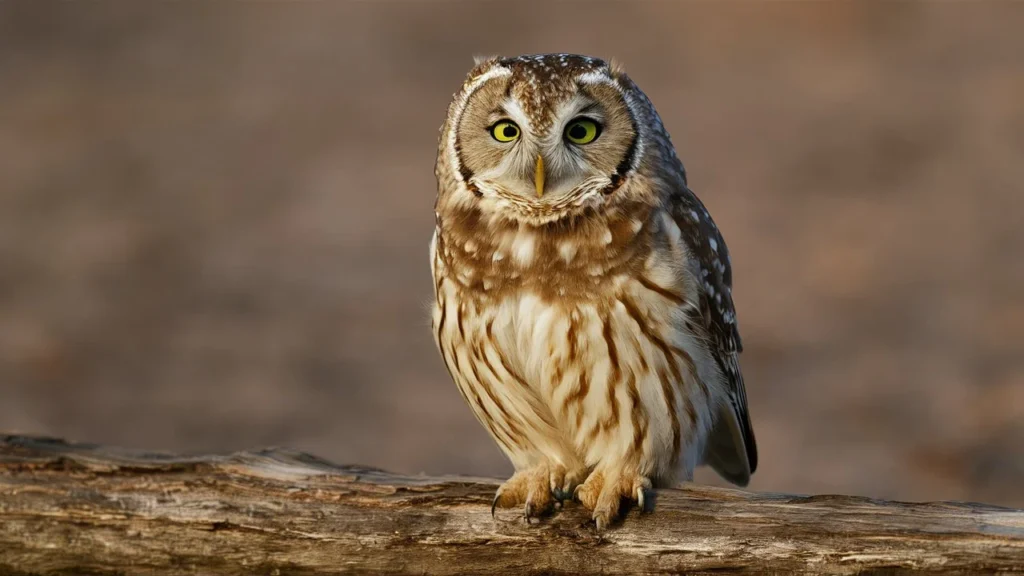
column 583, row 293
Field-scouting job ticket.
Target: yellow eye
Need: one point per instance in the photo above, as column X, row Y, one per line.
column 505, row 131
column 582, row 131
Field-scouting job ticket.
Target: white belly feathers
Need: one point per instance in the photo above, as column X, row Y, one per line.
column 573, row 381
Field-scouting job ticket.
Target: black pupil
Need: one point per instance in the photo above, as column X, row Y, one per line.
column 509, row 131
column 578, row 131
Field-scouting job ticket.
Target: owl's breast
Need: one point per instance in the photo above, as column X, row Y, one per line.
column 560, row 261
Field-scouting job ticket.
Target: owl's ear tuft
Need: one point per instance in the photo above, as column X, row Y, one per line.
column 616, row 67
column 479, row 59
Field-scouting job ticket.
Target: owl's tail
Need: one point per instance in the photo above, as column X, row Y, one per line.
column 730, row 450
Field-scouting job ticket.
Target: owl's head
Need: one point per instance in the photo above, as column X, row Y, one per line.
column 536, row 139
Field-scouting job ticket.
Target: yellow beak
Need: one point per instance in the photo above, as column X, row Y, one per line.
column 538, row 176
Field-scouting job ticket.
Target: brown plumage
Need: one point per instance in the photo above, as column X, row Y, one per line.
column 583, row 293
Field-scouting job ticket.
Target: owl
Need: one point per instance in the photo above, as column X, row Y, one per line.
column 583, row 295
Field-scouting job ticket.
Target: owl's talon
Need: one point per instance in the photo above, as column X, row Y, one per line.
column 565, row 480
column 530, row 488
column 641, row 485
column 603, row 492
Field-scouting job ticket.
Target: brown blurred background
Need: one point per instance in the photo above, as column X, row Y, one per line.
column 214, row 221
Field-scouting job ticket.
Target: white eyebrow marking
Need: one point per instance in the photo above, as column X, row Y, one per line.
column 574, row 106
column 518, row 114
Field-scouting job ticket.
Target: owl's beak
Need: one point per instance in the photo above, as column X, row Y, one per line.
column 538, row 176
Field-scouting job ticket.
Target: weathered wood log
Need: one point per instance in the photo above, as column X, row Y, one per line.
column 75, row 508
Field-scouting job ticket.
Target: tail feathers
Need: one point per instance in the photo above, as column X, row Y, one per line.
column 727, row 451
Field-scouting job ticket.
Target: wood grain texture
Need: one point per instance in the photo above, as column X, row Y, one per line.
column 84, row 509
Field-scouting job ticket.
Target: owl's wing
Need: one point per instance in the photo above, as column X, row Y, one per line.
column 731, row 449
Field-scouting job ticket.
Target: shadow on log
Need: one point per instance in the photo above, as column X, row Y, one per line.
column 75, row 508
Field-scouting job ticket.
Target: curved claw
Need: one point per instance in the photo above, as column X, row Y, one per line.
column 640, row 498
column 494, row 504
column 528, row 513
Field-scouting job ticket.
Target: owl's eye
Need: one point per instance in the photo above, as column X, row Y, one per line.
column 582, row 131
column 505, row 131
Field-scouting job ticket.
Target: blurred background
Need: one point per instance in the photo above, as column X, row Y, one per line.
column 214, row 221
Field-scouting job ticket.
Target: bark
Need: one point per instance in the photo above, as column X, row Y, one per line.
column 84, row 509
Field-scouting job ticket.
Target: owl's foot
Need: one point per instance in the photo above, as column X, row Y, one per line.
column 564, row 481
column 531, row 488
column 603, row 491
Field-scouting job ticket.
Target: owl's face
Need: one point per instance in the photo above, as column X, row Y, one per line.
column 538, row 137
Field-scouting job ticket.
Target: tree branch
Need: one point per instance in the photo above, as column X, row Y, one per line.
column 76, row 508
